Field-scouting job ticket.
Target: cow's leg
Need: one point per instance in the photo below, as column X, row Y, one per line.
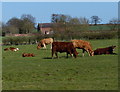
column 44, row 46
column 88, row 52
column 52, row 54
column 83, row 54
column 67, row 55
column 56, row 54
column 50, row 46
column 70, row 54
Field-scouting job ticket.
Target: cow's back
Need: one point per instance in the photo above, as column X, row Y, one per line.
column 47, row 41
column 85, row 45
column 81, row 44
column 63, row 46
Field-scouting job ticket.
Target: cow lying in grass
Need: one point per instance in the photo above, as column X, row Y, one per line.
column 84, row 45
column 11, row 48
column 107, row 50
column 28, row 55
column 64, row 47
column 45, row 42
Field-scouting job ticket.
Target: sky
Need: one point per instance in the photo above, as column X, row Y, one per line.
column 42, row 11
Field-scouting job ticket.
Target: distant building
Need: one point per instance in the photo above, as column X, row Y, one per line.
column 45, row 28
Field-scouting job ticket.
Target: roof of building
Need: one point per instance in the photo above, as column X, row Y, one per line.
column 45, row 25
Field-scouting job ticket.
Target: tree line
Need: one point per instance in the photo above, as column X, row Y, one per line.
column 26, row 24
column 67, row 27
column 23, row 25
column 64, row 27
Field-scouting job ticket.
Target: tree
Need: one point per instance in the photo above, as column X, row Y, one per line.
column 113, row 23
column 60, row 25
column 28, row 23
column 28, row 18
column 95, row 20
column 14, row 22
column 84, row 24
column 22, row 26
column 84, row 20
column 60, row 18
column 74, row 21
column 27, row 27
column 64, row 24
column 14, row 25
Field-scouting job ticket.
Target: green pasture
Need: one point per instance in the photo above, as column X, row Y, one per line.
column 102, row 27
column 43, row 73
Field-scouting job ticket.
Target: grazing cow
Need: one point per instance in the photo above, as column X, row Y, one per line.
column 64, row 47
column 28, row 55
column 107, row 50
column 84, row 45
column 13, row 49
column 6, row 49
column 45, row 42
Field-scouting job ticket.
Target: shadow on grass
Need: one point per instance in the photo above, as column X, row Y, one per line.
column 44, row 49
column 47, row 58
column 57, row 58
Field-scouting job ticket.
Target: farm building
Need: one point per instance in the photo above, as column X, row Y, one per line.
column 45, row 28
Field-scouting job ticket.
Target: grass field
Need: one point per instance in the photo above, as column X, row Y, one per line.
column 43, row 73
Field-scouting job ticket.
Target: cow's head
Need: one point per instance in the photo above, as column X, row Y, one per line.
column 92, row 53
column 75, row 54
column 113, row 47
column 39, row 45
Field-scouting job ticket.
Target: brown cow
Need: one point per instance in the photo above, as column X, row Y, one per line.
column 28, row 55
column 64, row 47
column 45, row 42
column 13, row 49
column 84, row 45
column 107, row 50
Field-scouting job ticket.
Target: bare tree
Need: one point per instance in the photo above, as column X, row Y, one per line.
column 84, row 23
column 84, row 20
column 60, row 18
column 74, row 21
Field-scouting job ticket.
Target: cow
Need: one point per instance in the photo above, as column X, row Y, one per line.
column 107, row 50
column 6, row 49
column 28, row 55
column 84, row 45
column 13, row 49
column 45, row 42
column 64, row 47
